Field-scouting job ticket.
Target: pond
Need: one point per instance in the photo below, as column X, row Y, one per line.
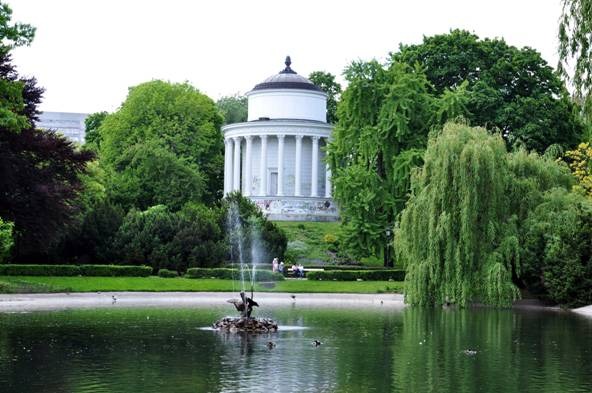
column 374, row 349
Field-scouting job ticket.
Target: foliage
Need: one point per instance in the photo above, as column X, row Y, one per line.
column 384, row 119
column 580, row 163
column 575, row 35
column 6, row 239
column 233, row 108
column 13, row 35
column 163, row 239
column 168, row 121
column 149, row 174
column 75, row 270
column 326, row 81
column 253, row 228
column 461, row 232
column 92, row 136
column 451, row 235
column 509, row 89
column 39, row 171
column 166, row 273
column 231, row 274
column 558, row 257
column 353, row 275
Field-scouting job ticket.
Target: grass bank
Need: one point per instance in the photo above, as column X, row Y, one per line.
column 306, row 239
column 36, row 284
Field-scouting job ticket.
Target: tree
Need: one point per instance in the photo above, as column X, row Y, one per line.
column 579, row 161
column 509, row 89
column 6, row 239
column 92, row 137
column 575, row 35
column 462, row 229
column 558, row 249
column 18, row 34
column 384, row 119
column 147, row 174
column 233, row 108
column 177, row 118
column 326, row 81
column 39, row 171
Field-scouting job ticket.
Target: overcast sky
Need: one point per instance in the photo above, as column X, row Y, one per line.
column 86, row 53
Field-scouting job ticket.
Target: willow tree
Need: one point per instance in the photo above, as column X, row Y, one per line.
column 455, row 234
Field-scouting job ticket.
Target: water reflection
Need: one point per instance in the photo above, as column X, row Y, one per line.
column 363, row 350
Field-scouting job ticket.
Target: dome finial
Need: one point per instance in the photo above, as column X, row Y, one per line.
column 288, row 70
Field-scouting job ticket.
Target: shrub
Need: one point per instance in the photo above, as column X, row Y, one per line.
column 166, row 273
column 353, row 275
column 39, row 270
column 74, row 270
column 230, row 274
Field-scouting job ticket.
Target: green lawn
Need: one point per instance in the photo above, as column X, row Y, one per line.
column 305, row 239
column 36, row 284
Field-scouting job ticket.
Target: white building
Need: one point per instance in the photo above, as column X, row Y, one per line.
column 277, row 157
column 70, row 125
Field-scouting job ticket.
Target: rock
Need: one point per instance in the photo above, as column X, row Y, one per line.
column 240, row 324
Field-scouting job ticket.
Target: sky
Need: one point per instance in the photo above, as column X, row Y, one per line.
column 86, row 53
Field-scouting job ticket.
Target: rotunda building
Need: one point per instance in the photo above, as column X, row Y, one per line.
column 276, row 158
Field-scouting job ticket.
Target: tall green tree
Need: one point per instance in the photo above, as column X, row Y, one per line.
column 39, row 171
column 326, row 81
column 509, row 89
column 384, row 119
column 233, row 108
column 178, row 119
column 575, row 36
column 462, row 229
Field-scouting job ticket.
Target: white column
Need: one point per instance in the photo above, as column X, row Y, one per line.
column 298, row 165
column 327, row 181
column 236, row 169
column 280, row 186
column 263, row 169
column 314, row 177
column 227, row 165
column 248, row 160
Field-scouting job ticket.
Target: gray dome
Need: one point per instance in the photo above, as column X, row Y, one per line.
column 287, row 79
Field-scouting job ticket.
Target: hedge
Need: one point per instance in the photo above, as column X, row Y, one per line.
column 75, row 270
column 166, row 273
column 229, row 274
column 352, row 275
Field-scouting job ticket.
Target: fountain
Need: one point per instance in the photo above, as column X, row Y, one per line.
column 245, row 322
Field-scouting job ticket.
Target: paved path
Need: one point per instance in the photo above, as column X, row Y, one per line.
column 57, row 301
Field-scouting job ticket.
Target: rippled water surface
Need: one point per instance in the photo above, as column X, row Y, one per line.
column 364, row 350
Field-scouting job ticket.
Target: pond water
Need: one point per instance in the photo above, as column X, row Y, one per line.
column 364, row 350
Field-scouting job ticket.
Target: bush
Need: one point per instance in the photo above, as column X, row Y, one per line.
column 230, row 274
column 353, row 275
column 166, row 273
column 74, row 270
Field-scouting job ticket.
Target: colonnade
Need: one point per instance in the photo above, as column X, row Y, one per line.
column 232, row 167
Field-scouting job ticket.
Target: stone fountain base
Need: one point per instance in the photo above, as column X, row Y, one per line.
column 243, row 324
